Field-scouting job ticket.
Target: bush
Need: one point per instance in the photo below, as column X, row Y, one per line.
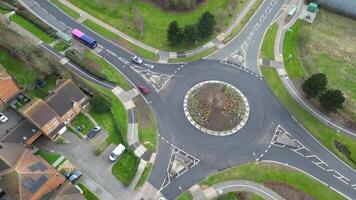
column 332, row 100
column 315, row 85
column 39, row 23
column 342, row 148
column 100, row 104
column 88, row 66
column 206, row 24
column 174, row 33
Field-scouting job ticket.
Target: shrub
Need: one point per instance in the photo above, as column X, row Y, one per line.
column 206, row 24
column 315, row 85
column 100, row 104
column 174, row 33
column 342, row 148
column 332, row 100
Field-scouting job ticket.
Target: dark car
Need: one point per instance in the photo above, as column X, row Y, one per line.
column 143, row 89
column 74, row 176
column 94, row 131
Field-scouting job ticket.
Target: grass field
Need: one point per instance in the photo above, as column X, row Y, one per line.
column 125, row 168
column 329, row 46
column 32, row 28
column 185, row 196
column 262, row 173
column 121, row 15
column 324, row 134
column 83, row 122
column 195, row 57
column 65, row 9
column 89, row 195
column 23, row 75
column 106, row 68
column 145, row 174
column 267, row 49
column 48, row 156
column 115, row 38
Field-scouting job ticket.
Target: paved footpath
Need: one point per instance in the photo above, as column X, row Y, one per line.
column 233, row 186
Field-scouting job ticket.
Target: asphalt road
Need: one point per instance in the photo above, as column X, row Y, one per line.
column 218, row 153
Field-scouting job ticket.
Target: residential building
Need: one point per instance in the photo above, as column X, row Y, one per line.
column 24, row 176
column 8, row 88
column 24, row 133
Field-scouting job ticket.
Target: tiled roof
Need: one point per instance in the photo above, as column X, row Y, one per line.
column 39, row 112
column 8, row 89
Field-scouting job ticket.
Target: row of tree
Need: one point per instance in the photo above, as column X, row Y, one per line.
column 191, row 33
column 316, row 87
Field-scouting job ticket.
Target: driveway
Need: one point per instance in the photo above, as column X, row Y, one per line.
column 96, row 169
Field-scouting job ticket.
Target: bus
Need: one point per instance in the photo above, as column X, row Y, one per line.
column 84, row 38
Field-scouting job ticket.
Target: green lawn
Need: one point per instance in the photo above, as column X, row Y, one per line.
column 145, row 174
column 120, row 14
column 228, row 196
column 290, row 53
column 107, row 69
column 194, row 57
column 185, row 196
column 61, row 46
column 267, row 49
column 125, row 168
column 24, row 76
column 42, row 92
column 244, row 21
column 65, row 9
column 40, row 34
column 117, row 39
column 261, row 173
column 323, row 133
column 89, row 195
column 48, row 156
column 329, row 46
column 84, row 122
column 147, row 134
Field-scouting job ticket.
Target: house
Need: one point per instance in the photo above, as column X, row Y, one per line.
column 8, row 88
column 67, row 101
column 25, row 176
column 65, row 192
column 44, row 117
column 24, row 133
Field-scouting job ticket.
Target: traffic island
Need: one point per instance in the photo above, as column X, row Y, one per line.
column 216, row 108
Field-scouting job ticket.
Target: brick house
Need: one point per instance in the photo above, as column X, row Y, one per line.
column 24, row 133
column 67, row 101
column 25, row 176
column 8, row 88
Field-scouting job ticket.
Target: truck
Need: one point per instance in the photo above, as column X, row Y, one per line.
column 86, row 39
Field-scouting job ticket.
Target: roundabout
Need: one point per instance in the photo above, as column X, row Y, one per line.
column 216, row 108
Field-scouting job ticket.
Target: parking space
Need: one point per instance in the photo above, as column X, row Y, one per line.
column 14, row 119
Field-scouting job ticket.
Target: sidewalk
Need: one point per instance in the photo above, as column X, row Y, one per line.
column 278, row 53
column 164, row 55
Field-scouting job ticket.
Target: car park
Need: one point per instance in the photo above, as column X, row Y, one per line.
column 137, row 60
column 3, row 118
column 94, row 131
column 115, row 154
column 143, row 89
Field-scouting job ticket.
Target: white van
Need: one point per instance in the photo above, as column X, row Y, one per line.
column 115, row 154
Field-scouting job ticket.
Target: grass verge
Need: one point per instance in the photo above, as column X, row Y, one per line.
column 262, row 173
column 321, row 132
column 244, row 21
column 267, row 49
column 145, row 174
column 65, row 9
column 89, row 195
column 107, row 69
column 185, row 196
column 194, row 57
column 48, row 156
column 117, row 39
column 32, row 28
column 125, row 168
column 61, row 46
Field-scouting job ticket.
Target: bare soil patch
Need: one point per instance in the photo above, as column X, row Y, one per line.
column 216, row 106
column 287, row 191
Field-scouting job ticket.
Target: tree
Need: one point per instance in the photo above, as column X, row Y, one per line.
column 206, row 24
column 332, row 100
column 174, row 33
column 100, row 104
column 315, row 85
column 190, row 34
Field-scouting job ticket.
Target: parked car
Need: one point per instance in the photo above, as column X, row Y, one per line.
column 143, row 89
column 94, row 131
column 3, row 118
column 115, row 154
column 73, row 177
column 137, row 60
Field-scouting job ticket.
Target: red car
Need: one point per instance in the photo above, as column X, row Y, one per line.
column 143, row 89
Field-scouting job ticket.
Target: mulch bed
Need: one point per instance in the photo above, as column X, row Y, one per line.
column 287, row 191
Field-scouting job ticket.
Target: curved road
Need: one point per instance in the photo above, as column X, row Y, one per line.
column 237, row 65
